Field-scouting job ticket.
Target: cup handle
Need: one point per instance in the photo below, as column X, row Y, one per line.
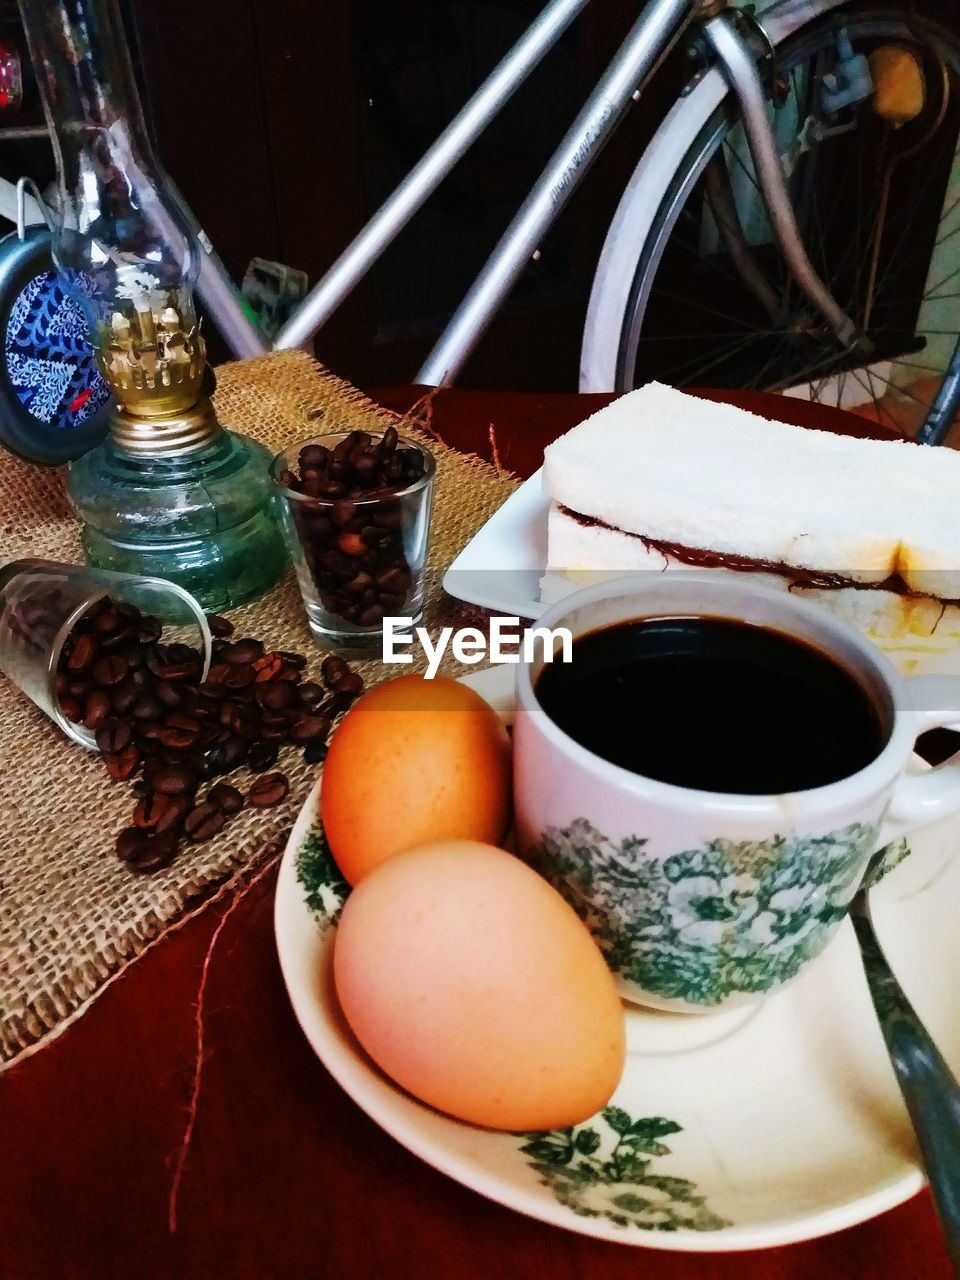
column 921, row 798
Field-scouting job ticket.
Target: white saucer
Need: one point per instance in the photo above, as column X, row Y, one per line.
column 758, row 1128
column 501, row 566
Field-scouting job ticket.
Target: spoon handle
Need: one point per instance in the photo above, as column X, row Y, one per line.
column 929, row 1087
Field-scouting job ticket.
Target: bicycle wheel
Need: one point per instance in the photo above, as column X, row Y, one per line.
column 691, row 287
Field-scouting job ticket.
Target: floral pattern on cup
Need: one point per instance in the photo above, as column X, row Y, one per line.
column 701, row 925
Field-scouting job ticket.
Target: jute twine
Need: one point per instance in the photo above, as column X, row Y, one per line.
column 71, row 915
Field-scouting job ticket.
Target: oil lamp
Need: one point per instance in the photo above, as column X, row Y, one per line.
column 170, row 492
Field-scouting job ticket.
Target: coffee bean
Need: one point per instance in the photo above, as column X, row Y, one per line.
column 122, row 698
column 175, row 672
column 309, row 694
column 226, row 798
column 332, row 669
column 150, row 810
column 268, row 667
column 200, row 764
column 136, row 657
column 122, row 765
column 118, row 639
column 212, row 692
column 129, row 841
column 156, row 851
column 275, row 695
column 315, row 752
column 349, row 682
column 239, row 718
column 238, row 677
column 219, row 626
column 203, row 823
column 395, row 580
column 72, row 708
column 273, row 734
column 173, row 816
column 342, row 512
column 313, row 455
column 173, row 779
column 268, row 791
column 295, row 660
column 279, row 719
column 146, row 707
column 96, row 708
column 336, row 703
column 308, row 728
column 168, row 695
column 113, row 735
column 83, row 653
column 227, row 754
column 109, row 620
column 388, row 442
column 110, row 671
column 180, row 732
column 262, row 756
column 149, row 630
column 243, row 652
column 389, row 517
column 351, row 544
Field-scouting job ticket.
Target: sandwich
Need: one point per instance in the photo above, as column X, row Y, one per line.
column 659, row 480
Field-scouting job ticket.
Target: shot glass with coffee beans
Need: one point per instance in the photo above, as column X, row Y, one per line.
column 72, row 637
column 356, row 515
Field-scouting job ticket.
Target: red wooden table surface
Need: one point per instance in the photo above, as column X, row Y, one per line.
column 285, row 1176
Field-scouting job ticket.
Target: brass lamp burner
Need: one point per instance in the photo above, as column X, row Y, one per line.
column 153, row 361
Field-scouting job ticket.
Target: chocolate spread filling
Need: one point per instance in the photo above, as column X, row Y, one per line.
column 748, row 564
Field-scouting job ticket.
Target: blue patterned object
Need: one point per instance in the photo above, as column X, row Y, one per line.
column 54, row 405
column 49, row 358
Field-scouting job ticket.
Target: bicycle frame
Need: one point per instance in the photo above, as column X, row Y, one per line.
column 653, row 34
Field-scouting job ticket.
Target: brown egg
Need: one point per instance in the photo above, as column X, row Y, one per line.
column 414, row 760
column 473, row 985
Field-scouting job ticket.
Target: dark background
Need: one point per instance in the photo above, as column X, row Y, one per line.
column 285, row 124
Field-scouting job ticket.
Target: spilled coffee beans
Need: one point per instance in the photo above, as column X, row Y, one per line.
column 168, row 733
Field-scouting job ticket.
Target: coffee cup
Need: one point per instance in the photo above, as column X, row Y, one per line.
column 702, row 899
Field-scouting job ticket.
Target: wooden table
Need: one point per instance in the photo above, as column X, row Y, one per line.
column 286, row 1178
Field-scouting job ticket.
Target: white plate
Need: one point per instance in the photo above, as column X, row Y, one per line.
column 501, row 566
column 782, row 1124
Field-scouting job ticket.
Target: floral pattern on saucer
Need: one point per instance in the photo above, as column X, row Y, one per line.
column 606, row 1168
column 323, row 885
column 704, row 924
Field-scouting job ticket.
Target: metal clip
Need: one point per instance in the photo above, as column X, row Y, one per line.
column 24, row 185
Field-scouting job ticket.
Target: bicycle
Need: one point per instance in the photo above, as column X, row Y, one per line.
column 738, row 198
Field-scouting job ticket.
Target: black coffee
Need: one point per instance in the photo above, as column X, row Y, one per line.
column 714, row 704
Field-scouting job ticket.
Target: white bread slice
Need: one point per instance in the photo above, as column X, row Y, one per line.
column 699, row 474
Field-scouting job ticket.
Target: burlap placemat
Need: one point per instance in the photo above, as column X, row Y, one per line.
column 70, row 913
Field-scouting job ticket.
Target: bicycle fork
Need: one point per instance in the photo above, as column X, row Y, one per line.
column 737, row 63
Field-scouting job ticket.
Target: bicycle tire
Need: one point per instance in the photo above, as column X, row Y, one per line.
column 692, row 131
